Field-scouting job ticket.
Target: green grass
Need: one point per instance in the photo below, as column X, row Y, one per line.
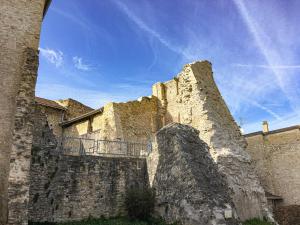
column 102, row 221
column 125, row 221
column 256, row 222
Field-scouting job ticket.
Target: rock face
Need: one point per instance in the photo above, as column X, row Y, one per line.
column 193, row 98
column 189, row 188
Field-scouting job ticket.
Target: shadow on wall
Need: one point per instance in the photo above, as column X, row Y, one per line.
column 65, row 188
column 189, row 188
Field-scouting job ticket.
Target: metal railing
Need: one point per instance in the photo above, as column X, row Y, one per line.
column 87, row 146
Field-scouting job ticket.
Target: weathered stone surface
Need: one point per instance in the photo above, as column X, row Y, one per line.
column 193, row 98
column 189, row 188
column 65, row 188
column 134, row 121
column 20, row 23
column 276, row 156
column 74, row 108
column 18, row 189
column 288, row 215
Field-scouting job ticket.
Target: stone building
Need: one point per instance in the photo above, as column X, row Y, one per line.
column 59, row 111
column 276, row 156
column 20, row 23
column 190, row 98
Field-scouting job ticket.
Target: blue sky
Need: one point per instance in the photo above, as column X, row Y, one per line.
column 112, row 50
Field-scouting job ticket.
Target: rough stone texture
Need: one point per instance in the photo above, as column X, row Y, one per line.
column 134, row 121
column 54, row 118
column 74, row 108
column 189, row 188
column 18, row 189
column 64, row 188
column 19, row 32
column 276, row 157
column 190, row 98
column 288, row 215
column 193, row 98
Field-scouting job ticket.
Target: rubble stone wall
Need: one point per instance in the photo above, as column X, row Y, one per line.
column 66, row 188
column 137, row 119
column 189, row 188
column 134, row 121
column 193, row 98
column 19, row 39
column 54, row 118
column 74, row 108
column 277, row 162
column 18, row 187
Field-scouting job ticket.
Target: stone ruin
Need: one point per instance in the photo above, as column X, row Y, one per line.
column 200, row 170
column 41, row 184
column 188, row 186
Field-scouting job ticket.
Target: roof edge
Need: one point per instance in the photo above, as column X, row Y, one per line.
column 273, row 131
column 81, row 117
column 47, row 4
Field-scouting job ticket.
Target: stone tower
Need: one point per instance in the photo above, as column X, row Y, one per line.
column 19, row 40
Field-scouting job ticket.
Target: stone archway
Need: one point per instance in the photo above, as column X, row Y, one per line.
column 19, row 40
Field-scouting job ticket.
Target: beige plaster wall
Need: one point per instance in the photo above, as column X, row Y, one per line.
column 277, row 162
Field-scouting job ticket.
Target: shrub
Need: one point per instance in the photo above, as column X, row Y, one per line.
column 256, row 222
column 140, row 203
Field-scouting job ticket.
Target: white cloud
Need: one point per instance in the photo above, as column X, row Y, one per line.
column 52, row 56
column 288, row 120
column 275, row 51
column 80, row 65
column 145, row 27
column 267, row 66
column 91, row 97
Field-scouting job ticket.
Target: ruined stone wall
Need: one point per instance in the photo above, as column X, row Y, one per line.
column 193, row 98
column 137, row 120
column 65, row 188
column 54, row 117
column 134, row 121
column 74, row 108
column 277, row 162
column 189, row 187
column 18, row 187
column 105, row 124
column 19, row 38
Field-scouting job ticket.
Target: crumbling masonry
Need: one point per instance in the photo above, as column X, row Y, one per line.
column 20, row 23
column 191, row 98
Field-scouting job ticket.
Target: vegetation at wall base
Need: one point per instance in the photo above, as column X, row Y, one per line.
column 111, row 221
column 139, row 203
column 256, row 221
column 126, row 221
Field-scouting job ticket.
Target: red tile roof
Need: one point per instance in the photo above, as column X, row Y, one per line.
column 48, row 103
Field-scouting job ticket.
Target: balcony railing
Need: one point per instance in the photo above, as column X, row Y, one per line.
column 86, row 146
